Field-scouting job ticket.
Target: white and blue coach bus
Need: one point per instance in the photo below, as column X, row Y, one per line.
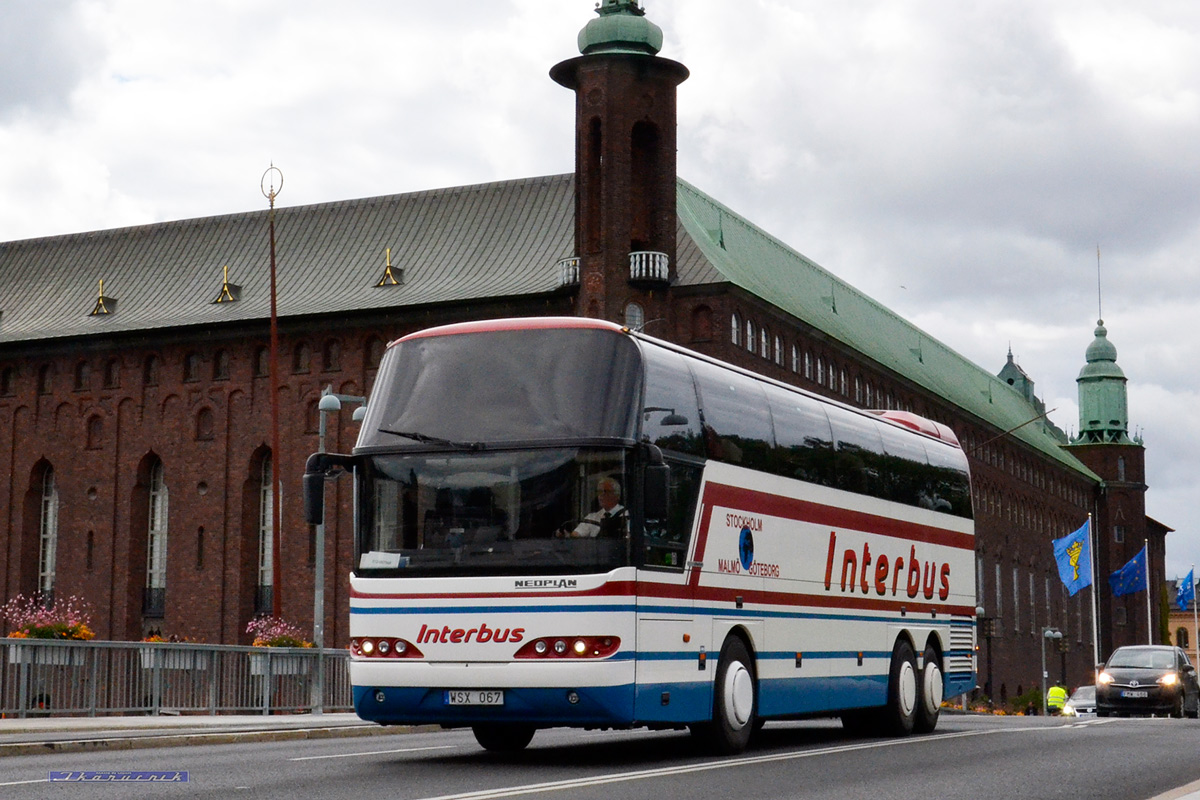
column 769, row 554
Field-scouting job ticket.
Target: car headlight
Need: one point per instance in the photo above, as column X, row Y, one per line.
column 1104, row 679
column 1170, row 679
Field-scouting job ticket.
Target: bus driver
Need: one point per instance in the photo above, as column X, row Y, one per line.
column 609, row 521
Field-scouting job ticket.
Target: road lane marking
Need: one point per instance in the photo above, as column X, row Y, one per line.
column 374, row 753
column 663, row 772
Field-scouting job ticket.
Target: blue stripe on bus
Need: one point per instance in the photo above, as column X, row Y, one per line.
column 644, row 609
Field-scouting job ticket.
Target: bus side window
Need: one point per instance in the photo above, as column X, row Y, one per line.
column 858, row 452
column 737, row 422
column 666, row 546
column 803, row 438
column 670, row 416
column 907, row 468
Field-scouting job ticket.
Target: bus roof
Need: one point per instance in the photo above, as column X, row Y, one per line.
column 513, row 324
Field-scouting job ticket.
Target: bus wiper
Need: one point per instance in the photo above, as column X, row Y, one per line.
column 424, row 438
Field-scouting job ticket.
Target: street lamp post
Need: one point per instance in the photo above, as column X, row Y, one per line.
column 1047, row 633
column 987, row 628
column 330, row 403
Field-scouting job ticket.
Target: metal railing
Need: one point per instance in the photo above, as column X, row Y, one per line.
column 649, row 265
column 568, row 272
column 42, row 677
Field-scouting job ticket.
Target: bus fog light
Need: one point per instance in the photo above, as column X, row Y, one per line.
column 540, row 647
column 580, row 647
column 384, row 647
column 560, row 647
column 380, row 696
column 368, row 647
column 573, row 697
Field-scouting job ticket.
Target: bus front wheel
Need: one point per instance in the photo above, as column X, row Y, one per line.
column 501, row 738
column 734, row 699
column 900, row 715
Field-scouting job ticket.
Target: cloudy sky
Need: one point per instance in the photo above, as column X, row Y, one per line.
column 959, row 161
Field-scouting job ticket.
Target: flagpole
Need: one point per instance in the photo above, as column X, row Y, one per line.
column 1149, row 626
column 1095, row 598
column 1195, row 627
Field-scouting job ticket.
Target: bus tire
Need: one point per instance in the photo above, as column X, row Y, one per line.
column 503, row 738
column 931, row 687
column 900, row 714
column 735, row 699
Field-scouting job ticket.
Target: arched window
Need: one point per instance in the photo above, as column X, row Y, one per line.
column 778, row 350
column 820, row 371
column 48, row 534
column 191, row 368
column 808, row 365
column 764, row 342
column 95, row 432
column 301, row 358
column 150, row 370
column 45, row 379
column 83, row 376
column 750, row 335
column 204, row 425
column 221, row 365
column 331, row 356
column 635, row 317
column 154, row 601
column 266, row 503
column 112, row 374
column 795, row 358
column 262, row 362
column 8, row 381
column 735, row 330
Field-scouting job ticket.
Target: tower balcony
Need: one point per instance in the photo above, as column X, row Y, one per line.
column 568, row 272
column 649, row 267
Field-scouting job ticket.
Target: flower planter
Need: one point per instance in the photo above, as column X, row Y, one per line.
column 50, row 656
column 173, row 659
column 279, row 664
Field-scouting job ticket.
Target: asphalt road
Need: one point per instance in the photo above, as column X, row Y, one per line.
column 968, row 756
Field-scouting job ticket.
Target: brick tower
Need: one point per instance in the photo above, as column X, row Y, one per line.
column 625, row 214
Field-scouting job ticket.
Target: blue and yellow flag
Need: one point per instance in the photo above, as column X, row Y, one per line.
column 1186, row 593
column 1074, row 556
column 1131, row 577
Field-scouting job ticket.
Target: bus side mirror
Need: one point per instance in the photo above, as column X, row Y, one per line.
column 319, row 468
column 656, row 486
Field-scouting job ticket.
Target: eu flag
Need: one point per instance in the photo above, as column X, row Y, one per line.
column 1073, row 553
column 1186, row 593
column 1131, row 577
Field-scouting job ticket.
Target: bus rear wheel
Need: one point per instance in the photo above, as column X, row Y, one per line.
column 734, row 717
column 900, row 715
column 929, row 702
column 503, row 738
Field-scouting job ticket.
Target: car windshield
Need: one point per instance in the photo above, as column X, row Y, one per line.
column 551, row 510
column 1084, row 694
column 1142, row 658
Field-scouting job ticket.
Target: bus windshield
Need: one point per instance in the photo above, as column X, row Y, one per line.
column 545, row 510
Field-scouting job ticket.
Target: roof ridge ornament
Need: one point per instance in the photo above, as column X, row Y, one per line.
column 230, row 292
column 104, row 305
column 389, row 274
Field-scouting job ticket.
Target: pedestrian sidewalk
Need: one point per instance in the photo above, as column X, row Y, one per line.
column 33, row 736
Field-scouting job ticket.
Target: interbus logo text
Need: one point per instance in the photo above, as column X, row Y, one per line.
column 448, row 635
column 921, row 576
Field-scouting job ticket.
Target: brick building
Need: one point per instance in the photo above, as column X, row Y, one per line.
column 135, row 384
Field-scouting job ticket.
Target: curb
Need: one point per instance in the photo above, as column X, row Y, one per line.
column 136, row 742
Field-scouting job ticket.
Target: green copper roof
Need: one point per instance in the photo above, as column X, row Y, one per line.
column 1103, row 402
column 621, row 27
column 762, row 265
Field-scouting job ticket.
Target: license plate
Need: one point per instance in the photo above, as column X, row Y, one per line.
column 1132, row 694
column 474, row 697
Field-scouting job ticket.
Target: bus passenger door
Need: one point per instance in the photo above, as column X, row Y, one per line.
column 670, row 687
